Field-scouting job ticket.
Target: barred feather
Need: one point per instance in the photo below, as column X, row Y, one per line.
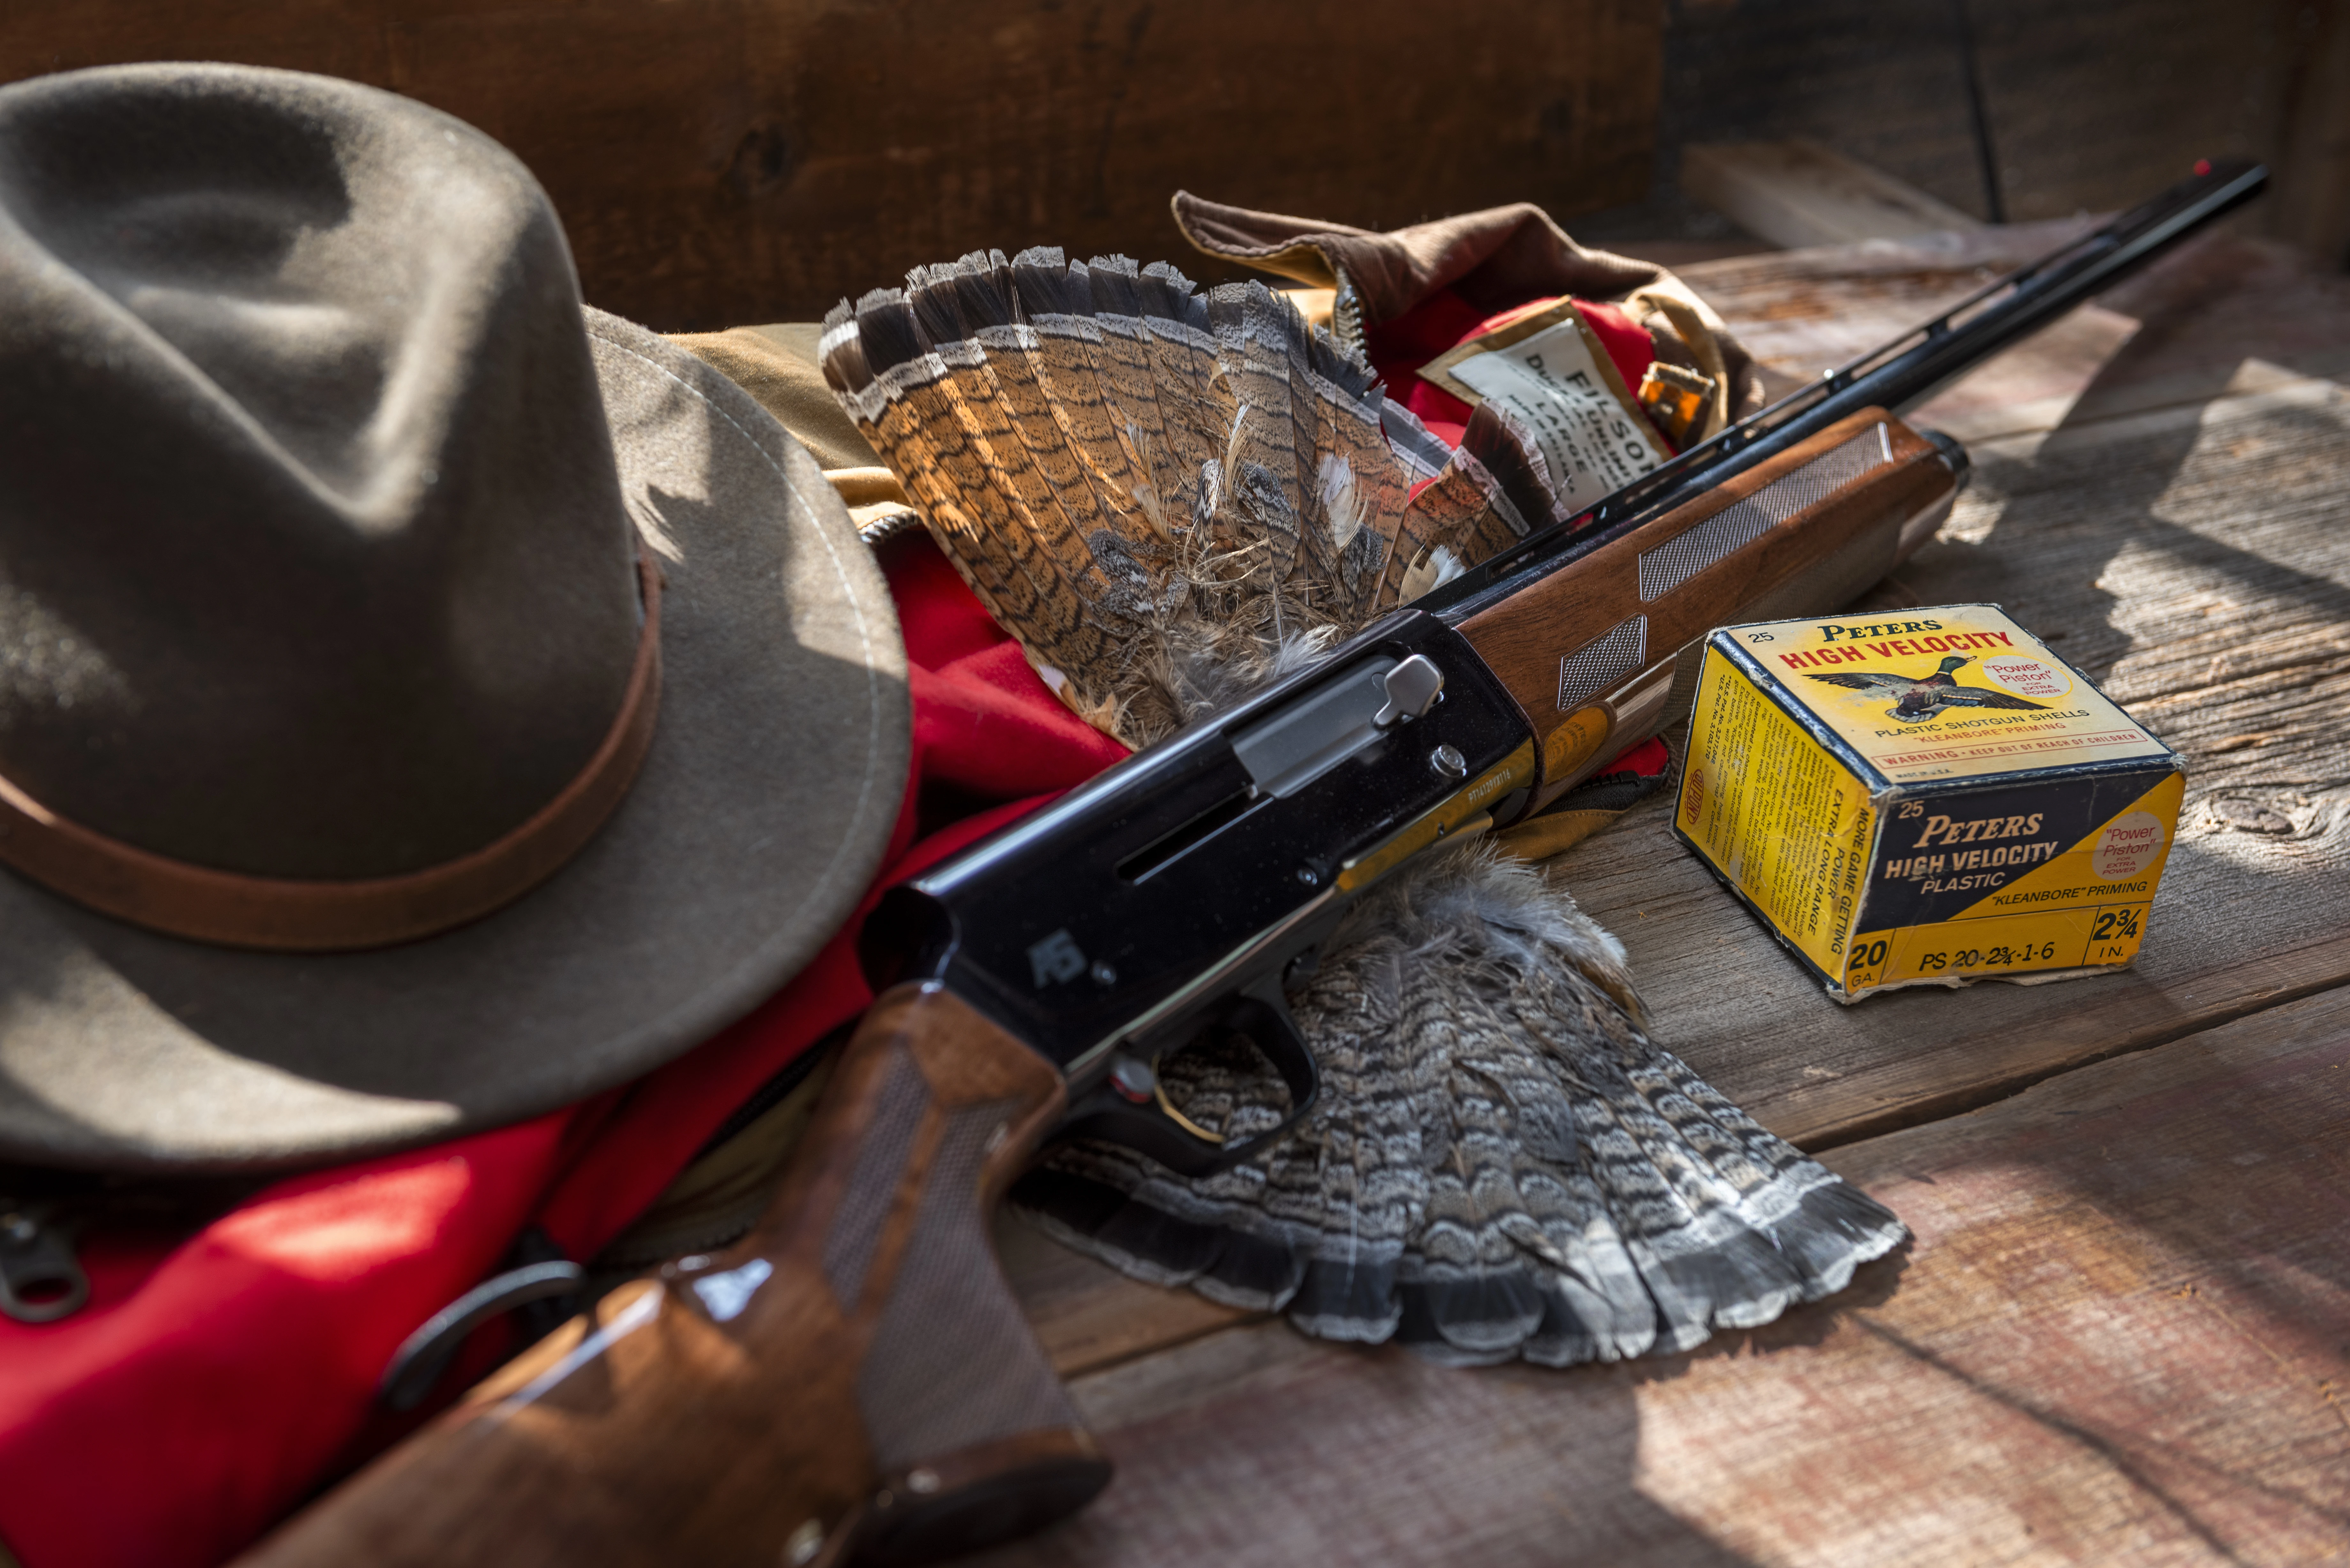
column 1094, row 445
column 1501, row 1163
column 1058, row 304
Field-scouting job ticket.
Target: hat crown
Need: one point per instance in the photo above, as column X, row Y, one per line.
column 313, row 557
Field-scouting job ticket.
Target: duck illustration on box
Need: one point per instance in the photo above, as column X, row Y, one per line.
column 1916, row 699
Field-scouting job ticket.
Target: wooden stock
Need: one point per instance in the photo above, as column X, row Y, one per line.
column 852, row 1379
column 1813, row 561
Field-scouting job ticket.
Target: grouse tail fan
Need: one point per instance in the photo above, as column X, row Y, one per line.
column 1166, row 495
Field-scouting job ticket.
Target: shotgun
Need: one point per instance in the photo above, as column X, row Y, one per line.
column 854, row 1379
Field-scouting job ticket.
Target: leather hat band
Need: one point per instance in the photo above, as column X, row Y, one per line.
column 290, row 915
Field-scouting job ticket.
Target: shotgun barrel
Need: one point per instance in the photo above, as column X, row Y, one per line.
column 1898, row 375
column 854, row 1377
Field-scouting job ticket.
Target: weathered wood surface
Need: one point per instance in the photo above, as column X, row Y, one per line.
column 2190, row 551
column 721, row 161
column 2196, row 563
column 2187, row 546
column 2221, row 314
column 1090, row 1317
column 2092, row 102
column 1797, row 192
column 2086, row 104
column 2121, row 1335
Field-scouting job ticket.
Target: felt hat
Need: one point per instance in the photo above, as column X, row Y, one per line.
column 423, row 702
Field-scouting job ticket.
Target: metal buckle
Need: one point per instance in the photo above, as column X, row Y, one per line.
column 40, row 1279
column 423, row 1355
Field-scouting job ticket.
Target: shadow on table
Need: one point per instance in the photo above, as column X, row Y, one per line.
column 1259, row 1446
column 2150, row 1260
column 2211, row 1175
column 2092, row 488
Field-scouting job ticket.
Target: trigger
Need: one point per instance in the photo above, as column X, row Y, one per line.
column 1167, row 1108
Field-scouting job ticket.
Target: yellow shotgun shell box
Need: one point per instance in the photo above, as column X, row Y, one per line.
column 1925, row 797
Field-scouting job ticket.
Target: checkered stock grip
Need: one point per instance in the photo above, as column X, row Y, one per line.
column 854, row 1380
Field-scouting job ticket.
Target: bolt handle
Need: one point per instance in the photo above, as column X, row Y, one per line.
column 1413, row 687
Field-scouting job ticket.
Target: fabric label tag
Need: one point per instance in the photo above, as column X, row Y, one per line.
column 1563, row 388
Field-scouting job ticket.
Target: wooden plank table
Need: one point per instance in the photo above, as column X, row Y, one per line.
column 2123, row 1332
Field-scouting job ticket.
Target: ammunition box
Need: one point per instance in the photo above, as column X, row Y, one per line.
column 1925, row 797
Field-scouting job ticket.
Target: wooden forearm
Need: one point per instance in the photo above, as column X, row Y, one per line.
column 1592, row 653
column 853, row 1377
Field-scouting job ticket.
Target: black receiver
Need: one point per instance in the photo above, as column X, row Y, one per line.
column 1170, row 895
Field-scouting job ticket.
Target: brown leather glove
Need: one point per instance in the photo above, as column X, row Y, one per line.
column 1493, row 259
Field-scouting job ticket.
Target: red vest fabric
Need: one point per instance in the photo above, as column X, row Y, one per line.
column 213, row 1378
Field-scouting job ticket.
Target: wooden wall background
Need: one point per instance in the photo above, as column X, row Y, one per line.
column 723, row 162
column 2088, row 105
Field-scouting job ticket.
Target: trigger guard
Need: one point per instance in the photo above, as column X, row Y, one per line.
column 1161, row 1135
column 1283, row 1045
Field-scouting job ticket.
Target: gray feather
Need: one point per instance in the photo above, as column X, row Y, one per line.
column 1501, row 1163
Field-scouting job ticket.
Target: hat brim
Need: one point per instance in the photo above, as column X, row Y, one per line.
column 760, row 814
